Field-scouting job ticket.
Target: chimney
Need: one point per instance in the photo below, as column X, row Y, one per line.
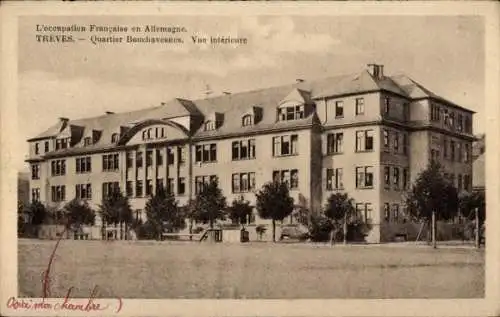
column 226, row 92
column 110, row 112
column 299, row 80
column 63, row 119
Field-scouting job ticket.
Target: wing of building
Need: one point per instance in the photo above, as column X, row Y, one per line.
column 366, row 134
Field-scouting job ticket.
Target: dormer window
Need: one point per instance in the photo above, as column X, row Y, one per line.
column 114, row 137
column 87, row 141
column 62, row 143
column 247, row 120
column 209, row 126
column 291, row 113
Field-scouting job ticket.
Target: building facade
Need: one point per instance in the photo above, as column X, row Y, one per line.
column 365, row 134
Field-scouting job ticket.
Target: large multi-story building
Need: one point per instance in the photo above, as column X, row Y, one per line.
column 365, row 134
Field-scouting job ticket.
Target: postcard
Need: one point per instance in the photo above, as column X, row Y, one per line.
column 250, row 159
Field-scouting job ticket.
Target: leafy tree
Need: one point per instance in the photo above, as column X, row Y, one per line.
column 469, row 201
column 38, row 213
column 115, row 209
column 432, row 192
column 274, row 202
column 339, row 209
column 163, row 213
column 240, row 211
column 209, row 204
column 79, row 213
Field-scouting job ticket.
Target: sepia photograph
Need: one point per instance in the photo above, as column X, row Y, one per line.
column 249, row 157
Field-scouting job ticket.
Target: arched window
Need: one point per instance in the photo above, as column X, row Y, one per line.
column 209, row 125
column 114, row 137
column 247, row 120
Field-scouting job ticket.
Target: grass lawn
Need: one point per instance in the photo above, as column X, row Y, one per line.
column 143, row 269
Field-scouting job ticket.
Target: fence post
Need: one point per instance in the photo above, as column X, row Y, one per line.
column 434, row 244
column 476, row 214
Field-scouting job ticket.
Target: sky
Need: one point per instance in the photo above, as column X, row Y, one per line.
column 77, row 80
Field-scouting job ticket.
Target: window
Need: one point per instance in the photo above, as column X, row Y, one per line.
column 364, row 177
column 396, row 142
column 452, row 120
column 468, row 125
column 129, row 160
column 387, row 212
column 170, row 156
column 138, row 159
column 360, row 207
column 364, row 140
column 395, row 178
column 129, row 189
column 387, row 102
column 386, row 138
column 149, row 187
column 58, row 167
column 452, row 150
column 181, row 186
column 159, row 184
column 460, row 123
column 243, row 150
column 459, row 182
column 339, row 109
column 159, row 157
column 110, row 188
column 285, row 145
column 35, row 194
column 83, row 191
column 291, row 113
column 201, row 181
column 35, row 171
column 405, row 144
column 87, row 141
column 387, row 176
column 360, row 106
column 395, row 212
column 58, row 193
column 37, row 148
column 466, row 182
column 466, row 153
column 46, row 146
column 138, row 188
column 115, row 137
column 170, row 186
column 405, row 179
column 182, row 154
column 368, row 213
column 110, row 162
column 247, row 120
column 459, row 152
column 206, row 153
column 435, row 112
column 243, row 182
column 209, row 126
column 334, row 143
column 289, row 177
column 445, row 149
column 83, row 164
column 61, row 143
column 149, row 158
column 159, row 133
column 334, row 179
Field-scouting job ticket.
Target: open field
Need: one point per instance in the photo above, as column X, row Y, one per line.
column 143, row 269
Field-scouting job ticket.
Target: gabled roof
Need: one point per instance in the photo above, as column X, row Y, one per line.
column 414, row 90
column 236, row 105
